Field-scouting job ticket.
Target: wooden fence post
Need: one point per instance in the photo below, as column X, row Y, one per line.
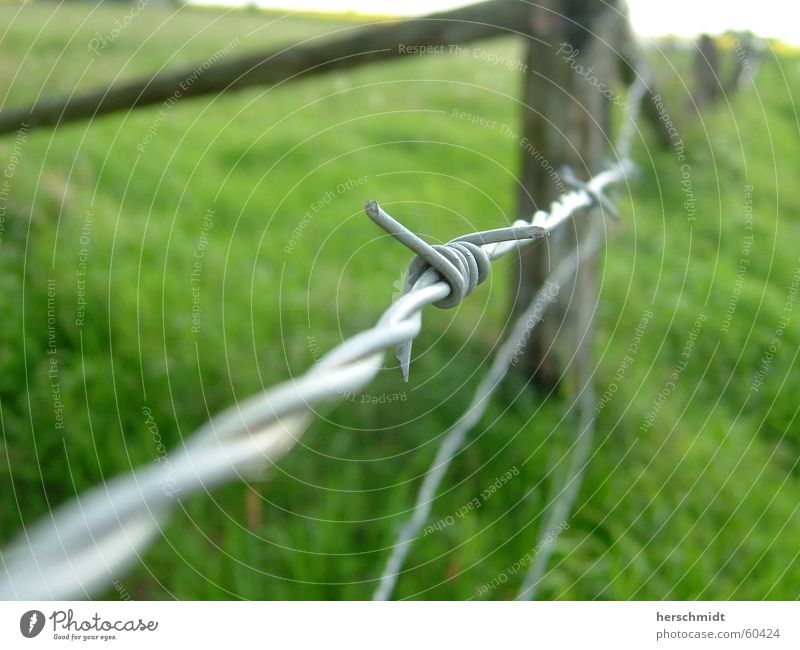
column 565, row 121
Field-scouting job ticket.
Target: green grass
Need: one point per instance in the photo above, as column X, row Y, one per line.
column 703, row 504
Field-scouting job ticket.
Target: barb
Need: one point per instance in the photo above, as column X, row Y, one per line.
column 461, row 262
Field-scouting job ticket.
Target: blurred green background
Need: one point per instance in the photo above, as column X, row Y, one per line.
column 704, row 504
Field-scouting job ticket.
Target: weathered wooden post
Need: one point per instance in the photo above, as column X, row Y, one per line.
column 567, row 94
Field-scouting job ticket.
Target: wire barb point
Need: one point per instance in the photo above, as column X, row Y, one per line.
column 372, row 209
column 597, row 196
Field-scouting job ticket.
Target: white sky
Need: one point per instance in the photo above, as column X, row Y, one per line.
column 769, row 18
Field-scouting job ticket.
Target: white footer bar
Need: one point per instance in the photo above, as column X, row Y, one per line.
column 386, row 626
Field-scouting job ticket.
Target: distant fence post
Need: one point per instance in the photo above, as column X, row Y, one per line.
column 707, row 89
column 565, row 122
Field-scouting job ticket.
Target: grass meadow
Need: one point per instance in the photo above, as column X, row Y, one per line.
column 691, row 491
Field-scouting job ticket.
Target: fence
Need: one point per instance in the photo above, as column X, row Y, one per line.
column 102, row 532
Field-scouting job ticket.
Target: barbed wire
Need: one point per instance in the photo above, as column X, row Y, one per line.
column 83, row 544
column 560, row 211
column 79, row 548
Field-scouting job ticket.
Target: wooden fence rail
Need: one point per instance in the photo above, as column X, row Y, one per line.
column 364, row 45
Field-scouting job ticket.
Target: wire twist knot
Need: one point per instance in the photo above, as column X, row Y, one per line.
column 463, row 265
column 462, row 262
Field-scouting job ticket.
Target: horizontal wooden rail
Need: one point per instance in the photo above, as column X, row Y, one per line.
column 363, row 45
